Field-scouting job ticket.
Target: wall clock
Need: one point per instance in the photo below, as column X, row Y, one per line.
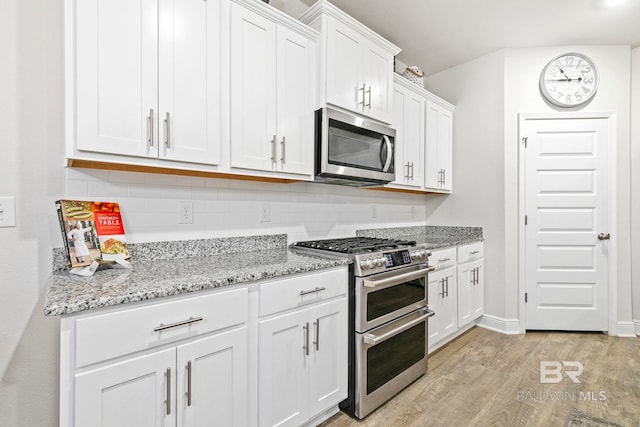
column 569, row 80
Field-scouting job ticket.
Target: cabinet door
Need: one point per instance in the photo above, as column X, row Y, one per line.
column 408, row 120
column 438, row 159
column 282, row 369
column 116, row 76
column 450, row 302
column 436, row 294
column 132, row 393
column 343, row 50
column 466, row 276
column 212, row 385
column 253, row 90
column 295, row 89
column 377, row 76
column 328, row 371
column 477, row 289
column 189, row 94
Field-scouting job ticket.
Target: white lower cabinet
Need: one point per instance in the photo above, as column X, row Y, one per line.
column 189, row 361
column 456, row 291
column 443, row 300
column 188, row 385
column 302, row 368
column 181, row 362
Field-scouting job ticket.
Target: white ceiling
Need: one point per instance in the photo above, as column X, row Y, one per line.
column 438, row 34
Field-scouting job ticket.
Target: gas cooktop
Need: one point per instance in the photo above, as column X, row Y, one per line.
column 356, row 245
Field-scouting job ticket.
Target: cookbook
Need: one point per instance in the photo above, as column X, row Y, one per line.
column 91, row 231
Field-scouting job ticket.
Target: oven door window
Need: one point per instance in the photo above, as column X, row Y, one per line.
column 395, row 355
column 388, row 300
column 359, row 148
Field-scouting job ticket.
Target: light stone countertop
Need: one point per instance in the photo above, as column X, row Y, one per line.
column 155, row 278
column 432, row 236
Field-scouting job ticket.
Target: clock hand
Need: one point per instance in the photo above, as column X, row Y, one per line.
column 579, row 79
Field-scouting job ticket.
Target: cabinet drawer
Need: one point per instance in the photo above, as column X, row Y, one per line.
column 297, row 291
column 126, row 331
column 443, row 258
column 470, row 252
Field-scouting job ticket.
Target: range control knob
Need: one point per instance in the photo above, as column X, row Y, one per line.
column 367, row 264
column 380, row 262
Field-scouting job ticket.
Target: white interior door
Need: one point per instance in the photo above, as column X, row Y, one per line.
column 566, row 203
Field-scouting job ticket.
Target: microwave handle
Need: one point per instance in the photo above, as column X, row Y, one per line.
column 386, row 142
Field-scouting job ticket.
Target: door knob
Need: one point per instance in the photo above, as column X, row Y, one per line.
column 603, row 236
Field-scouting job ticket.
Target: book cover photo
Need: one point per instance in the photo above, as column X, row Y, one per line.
column 91, row 231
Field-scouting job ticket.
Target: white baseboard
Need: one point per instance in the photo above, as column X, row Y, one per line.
column 637, row 325
column 628, row 329
column 498, row 324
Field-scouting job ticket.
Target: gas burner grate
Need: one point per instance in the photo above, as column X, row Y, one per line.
column 350, row 245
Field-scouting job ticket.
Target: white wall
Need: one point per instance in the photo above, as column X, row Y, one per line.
column 477, row 90
column 31, row 107
column 511, row 80
column 635, row 184
column 522, row 71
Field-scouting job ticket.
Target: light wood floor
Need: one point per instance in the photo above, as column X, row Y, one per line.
column 485, row 378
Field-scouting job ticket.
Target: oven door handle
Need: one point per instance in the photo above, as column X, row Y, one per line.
column 396, row 280
column 372, row 339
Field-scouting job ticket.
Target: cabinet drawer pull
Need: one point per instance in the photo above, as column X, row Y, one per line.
column 313, row 291
column 444, row 259
column 474, row 252
column 190, row 320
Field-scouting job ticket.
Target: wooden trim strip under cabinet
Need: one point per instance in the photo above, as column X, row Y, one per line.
column 92, row 164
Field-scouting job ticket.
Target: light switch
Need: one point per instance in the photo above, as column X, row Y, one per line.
column 7, row 211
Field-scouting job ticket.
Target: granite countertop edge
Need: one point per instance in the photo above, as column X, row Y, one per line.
column 69, row 294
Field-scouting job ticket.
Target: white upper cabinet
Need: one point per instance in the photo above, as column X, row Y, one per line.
column 439, row 145
column 408, row 120
column 356, row 64
column 144, row 79
column 272, row 82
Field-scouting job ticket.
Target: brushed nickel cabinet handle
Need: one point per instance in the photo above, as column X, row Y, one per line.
column 282, row 149
column 369, row 104
column 317, row 341
column 313, row 291
column 168, row 401
column 189, row 367
column 273, row 149
column 167, row 130
column 162, row 326
column 603, row 236
column 306, row 339
column 474, row 252
column 363, row 88
column 150, row 128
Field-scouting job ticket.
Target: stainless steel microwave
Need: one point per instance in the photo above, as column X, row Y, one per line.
column 351, row 150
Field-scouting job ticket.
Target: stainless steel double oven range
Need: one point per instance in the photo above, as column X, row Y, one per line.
column 387, row 315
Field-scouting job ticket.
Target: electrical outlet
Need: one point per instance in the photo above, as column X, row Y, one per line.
column 265, row 214
column 374, row 211
column 413, row 212
column 7, row 212
column 185, row 215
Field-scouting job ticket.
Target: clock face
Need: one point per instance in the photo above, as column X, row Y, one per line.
column 569, row 80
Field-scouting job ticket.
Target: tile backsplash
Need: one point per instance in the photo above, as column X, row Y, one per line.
column 222, row 208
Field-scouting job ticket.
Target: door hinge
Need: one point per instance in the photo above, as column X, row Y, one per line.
column 526, row 219
column 526, row 297
column 524, row 141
